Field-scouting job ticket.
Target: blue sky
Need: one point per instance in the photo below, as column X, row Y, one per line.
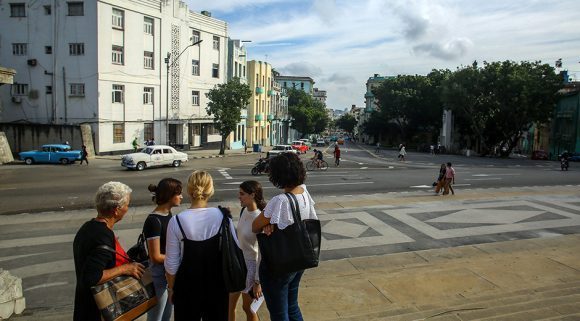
column 341, row 43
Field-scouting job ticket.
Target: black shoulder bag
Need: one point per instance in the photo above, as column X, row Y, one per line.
column 295, row 248
column 139, row 251
column 234, row 268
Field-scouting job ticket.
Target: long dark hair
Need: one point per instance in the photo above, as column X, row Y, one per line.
column 256, row 188
column 165, row 190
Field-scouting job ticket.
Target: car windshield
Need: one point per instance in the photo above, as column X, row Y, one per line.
column 147, row 150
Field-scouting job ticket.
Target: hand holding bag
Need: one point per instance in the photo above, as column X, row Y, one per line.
column 234, row 268
column 295, row 248
column 124, row 298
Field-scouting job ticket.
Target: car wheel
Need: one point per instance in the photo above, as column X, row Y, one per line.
column 64, row 161
column 29, row 161
column 176, row 163
column 141, row 166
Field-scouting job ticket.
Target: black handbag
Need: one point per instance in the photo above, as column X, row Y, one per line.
column 295, row 248
column 234, row 268
column 138, row 252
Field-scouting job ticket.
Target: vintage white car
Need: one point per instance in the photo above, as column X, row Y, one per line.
column 278, row 149
column 155, row 155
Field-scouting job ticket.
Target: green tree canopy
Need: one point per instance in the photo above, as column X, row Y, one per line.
column 309, row 115
column 225, row 104
column 347, row 122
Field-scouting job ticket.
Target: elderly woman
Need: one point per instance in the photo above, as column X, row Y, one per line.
column 193, row 261
column 93, row 264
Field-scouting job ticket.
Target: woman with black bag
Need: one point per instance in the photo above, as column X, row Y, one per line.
column 193, row 259
column 280, row 285
column 166, row 194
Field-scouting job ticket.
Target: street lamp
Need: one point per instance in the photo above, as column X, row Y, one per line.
column 169, row 65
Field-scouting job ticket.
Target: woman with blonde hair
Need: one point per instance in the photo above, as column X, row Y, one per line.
column 193, row 259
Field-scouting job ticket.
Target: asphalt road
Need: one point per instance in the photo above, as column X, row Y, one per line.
column 40, row 188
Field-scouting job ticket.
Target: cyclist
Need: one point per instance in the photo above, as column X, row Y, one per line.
column 336, row 155
column 317, row 157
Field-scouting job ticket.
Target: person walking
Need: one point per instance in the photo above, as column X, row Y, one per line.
column 449, row 179
column 84, row 155
column 193, row 258
column 402, row 153
column 336, row 155
column 166, row 194
column 440, row 179
column 94, row 264
column 378, row 150
column 281, row 290
column 251, row 196
column 135, row 145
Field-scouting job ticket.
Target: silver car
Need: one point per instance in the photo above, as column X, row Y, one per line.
column 151, row 156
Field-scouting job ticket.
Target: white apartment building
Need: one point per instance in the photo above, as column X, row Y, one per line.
column 104, row 63
column 319, row 95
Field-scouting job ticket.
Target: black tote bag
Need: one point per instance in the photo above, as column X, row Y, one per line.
column 295, row 248
column 234, row 268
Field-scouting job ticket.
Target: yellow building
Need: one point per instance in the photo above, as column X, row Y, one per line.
column 258, row 127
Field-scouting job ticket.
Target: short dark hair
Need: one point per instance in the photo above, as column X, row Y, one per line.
column 449, row 164
column 165, row 190
column 287, row 170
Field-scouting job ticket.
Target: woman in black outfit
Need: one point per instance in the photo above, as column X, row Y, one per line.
column 95, row 265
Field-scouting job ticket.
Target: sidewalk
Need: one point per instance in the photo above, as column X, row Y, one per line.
column 534, row 278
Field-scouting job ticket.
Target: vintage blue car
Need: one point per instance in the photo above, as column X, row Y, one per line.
column 51, row 153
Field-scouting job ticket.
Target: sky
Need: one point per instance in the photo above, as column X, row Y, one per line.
column 341, row 43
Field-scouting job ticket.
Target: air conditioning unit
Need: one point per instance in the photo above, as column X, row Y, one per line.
column 32, row 62
column 16, row 99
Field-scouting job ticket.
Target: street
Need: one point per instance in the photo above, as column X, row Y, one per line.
column 39, row 188
column 370, row 205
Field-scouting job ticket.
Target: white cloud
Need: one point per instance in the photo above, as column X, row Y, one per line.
column 341, row 43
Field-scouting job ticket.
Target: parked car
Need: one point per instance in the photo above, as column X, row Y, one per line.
column 300, row 146
column 278, row 149
column 51, row 153
column 307, row 142
column 156, row 155
column 340, row 141
column 539, row 155
column 320, row 143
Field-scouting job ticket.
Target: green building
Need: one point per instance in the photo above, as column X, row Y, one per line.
column 565, row 135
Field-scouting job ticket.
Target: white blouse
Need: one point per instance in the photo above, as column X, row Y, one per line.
column 247, row 238
column 279, row 211
column 199, row 224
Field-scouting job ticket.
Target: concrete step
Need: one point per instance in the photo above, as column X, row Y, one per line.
column 545, row 302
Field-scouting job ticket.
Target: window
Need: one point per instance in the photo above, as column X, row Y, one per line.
column 148, row 96
column 194, row 36
column 118, row 93
column 77, row 90
column 148, row 131
column 48, row 90
column 19, row 49
column 17, row 10
column 244, row 71
column 118, row 133
column 47, row 10
column 148, row 60
column 76, row 9
column 19, row 89
column 195, row 67
column 235, row 69
column 215, row 70
column 118, row 55
column 48, row 50
column 76, row 49
column 195, row 98
column 118, row 18
column 216, row 42
column 148, row 25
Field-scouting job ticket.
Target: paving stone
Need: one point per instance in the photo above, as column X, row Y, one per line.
column 566, row 309
column 387, row 262
column 331, row 269
column 519, row 307
column 455, row 253
column 522, row 316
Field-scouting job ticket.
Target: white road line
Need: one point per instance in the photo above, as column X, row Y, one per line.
column 364, row 168
column 45, row 285
column 309, row 185
column 421, row 186
column 225, row 173
column 483, row 179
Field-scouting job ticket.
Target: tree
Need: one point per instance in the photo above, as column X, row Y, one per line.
column 347, row 122
column 225, row 104
column 309, row 115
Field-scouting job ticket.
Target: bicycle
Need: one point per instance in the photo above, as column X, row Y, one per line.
column 311, row 165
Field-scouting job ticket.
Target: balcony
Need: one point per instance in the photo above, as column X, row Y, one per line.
column 270, row 117
column 259, row 90
column 259, row 117
column 271, row 92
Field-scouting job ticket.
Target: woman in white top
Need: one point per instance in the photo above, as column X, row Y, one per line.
column 193, row 258
column 251, row 198
column 281, row 291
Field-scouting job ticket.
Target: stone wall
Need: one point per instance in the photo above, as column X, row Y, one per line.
column 23, row 137
column 5, row 152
